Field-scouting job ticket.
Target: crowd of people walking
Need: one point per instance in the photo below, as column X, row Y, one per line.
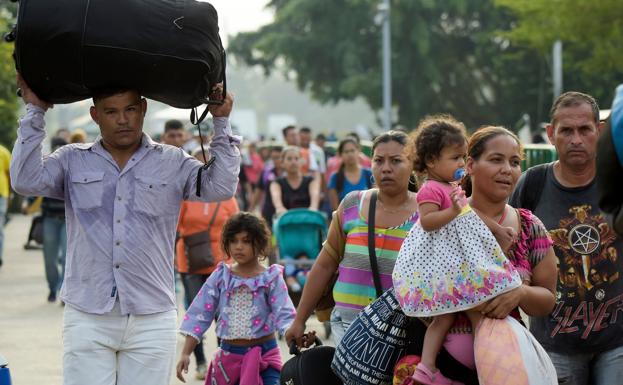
column 484, row 260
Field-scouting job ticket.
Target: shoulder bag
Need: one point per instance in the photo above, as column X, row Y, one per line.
column 198, row 247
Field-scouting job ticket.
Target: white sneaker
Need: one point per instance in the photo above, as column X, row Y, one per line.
column 202, row 370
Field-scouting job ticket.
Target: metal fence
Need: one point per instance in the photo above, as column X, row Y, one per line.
column 538, row 154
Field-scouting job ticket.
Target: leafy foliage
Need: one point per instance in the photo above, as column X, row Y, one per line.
column 8, row 99
column 592, row 36
column 447, row 57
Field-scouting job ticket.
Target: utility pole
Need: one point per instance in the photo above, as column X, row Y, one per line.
column 557, row 68
column 383, row 17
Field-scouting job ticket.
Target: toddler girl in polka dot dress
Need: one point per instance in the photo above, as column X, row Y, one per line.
column 451, row 261
column 248, row 303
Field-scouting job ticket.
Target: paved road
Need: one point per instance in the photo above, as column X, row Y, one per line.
column 30, row 327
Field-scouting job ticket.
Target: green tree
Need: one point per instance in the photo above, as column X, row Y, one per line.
column 8, row 99
column 446, row 57
column 592, row 37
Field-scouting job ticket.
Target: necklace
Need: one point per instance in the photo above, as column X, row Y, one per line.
column 394, row 211
column 499, row 221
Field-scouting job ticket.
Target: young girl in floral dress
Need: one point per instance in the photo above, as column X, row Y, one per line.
column 248, row 303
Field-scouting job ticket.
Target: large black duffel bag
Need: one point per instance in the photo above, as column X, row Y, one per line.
column 170, row 50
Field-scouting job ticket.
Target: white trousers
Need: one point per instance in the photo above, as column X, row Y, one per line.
column 115, row 349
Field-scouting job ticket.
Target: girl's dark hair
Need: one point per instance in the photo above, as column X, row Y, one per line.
column 344, row 142
column 477, row 144
column 254, row 226
column 339, row 177
column 432, row 135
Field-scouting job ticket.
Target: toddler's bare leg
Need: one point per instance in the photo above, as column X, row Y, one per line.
column 434, row 337
column 475, row 316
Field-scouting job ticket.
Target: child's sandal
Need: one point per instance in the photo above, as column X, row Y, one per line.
column 425, row 376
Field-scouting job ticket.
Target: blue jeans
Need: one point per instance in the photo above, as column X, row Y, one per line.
column 3, row 207
column 54, row 250
column 338, row 326
column 270, row 376
column 603, row 368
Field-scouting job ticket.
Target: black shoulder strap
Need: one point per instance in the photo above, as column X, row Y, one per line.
column 533, row 185
column 218, row 205
column 372, row 245
column 205, row 166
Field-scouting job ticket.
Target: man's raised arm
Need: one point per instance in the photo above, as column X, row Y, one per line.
column 31, row 173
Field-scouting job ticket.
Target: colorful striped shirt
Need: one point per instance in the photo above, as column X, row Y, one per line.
column 354, row 288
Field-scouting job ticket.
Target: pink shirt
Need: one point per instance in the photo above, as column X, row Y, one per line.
column 437, row 193
column 254, row 170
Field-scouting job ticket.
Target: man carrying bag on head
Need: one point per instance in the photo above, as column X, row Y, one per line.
column 122, row 197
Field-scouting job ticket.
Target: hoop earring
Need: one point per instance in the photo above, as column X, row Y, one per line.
column 412, row 180
column 372, row 180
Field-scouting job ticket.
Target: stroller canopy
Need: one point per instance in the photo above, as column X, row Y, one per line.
column 300, row 231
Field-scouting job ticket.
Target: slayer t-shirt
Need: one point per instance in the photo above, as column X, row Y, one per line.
column 588, row 316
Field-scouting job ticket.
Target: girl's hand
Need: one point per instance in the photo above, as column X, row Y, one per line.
column 505, row 236
column 457, row 195
column 502, row 305
column 182, row 366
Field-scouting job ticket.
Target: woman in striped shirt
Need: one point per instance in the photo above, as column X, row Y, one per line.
column 346, row 249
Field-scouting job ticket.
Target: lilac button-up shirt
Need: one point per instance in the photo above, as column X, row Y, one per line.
column 120, row 223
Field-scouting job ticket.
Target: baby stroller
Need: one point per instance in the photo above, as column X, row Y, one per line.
column 299, row 234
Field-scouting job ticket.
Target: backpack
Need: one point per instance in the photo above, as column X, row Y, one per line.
column 534, row 182
column 168, row 50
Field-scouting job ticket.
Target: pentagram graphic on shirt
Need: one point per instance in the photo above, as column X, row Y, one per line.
column 588, row 272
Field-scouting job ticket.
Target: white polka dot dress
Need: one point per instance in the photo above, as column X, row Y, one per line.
column 454, row 268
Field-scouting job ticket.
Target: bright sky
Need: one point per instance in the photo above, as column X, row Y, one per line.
column 240, row 15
